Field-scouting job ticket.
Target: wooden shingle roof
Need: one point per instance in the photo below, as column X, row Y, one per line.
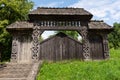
column 60, row 11
column 43, row 13
column 94, row 24
column 20, row 25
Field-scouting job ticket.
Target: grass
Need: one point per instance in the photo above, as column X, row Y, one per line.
column 79, row 70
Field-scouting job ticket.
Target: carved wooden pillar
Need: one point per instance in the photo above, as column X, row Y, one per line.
column 105, row 45
column 86, row 46
column 36, row 47
column 14, row 54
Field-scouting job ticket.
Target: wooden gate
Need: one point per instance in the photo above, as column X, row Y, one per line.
column 60, row 47
column 96, row 45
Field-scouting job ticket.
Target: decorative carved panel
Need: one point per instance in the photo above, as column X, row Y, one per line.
column 14, row 54
column 36, row 47
column 86, row 46
column 58, row 23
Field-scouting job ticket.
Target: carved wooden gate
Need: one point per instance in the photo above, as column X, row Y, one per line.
column 60, row 47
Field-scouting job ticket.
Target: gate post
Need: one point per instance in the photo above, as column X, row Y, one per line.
column 36, row 46
column 105, row 45
column 86, row 45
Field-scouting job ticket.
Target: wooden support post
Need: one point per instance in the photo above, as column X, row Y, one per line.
column 36, row 43
column 105, row 45
column 86, row 46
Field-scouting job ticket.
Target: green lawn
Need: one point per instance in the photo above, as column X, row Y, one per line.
column 79, row 70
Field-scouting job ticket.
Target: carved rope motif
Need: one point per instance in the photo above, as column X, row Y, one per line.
column 86, row 46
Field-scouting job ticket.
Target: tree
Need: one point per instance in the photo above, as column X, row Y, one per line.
column 114, row 37
column 11, row 11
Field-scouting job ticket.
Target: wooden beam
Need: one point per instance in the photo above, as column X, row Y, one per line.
column 58, row 28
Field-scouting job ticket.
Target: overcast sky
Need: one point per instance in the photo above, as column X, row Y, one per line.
column 106, row 10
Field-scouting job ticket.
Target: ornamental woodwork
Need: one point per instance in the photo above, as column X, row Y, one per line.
column 58, row 23
column 43, row 19
column 37, row 31
column 14, row 54
column 36, row 47
column 86, row 50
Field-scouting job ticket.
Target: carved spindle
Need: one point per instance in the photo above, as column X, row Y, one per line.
column 42, row 23
column 45, row 23
column 69, row 24
column 48, row 23
column 76, row 23
column 79, row 23
column 51, row 23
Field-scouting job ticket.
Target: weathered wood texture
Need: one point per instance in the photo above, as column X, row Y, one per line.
column 96, row 47
column 21, row 47
column 25, row 49
column 60, row 14
column 60, row 47
column 25, row 44
column 53, row 24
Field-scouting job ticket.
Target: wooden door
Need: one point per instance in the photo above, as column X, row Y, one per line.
column 25, row 49
column 96, row 47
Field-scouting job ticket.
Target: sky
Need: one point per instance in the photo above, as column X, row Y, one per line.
column 106, row 10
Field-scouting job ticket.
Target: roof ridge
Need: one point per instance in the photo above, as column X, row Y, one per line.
column 96, row 20
column 58, row 8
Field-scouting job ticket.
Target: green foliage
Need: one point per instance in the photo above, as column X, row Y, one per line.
column 11, row 11
column 79, row 70
column 114, row 37
column 73, row 34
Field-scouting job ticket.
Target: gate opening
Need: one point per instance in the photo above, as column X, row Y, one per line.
column 61, row 46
